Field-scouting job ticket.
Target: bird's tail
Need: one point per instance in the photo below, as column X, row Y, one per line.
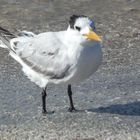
column 5, row 38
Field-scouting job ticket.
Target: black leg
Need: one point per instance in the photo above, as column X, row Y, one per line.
column 44, row 111
column 72, row 108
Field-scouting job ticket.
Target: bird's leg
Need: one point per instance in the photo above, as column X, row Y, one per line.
column 72, row 108
column 44, row 111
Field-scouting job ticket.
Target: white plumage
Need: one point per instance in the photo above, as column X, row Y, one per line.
column 63, row 57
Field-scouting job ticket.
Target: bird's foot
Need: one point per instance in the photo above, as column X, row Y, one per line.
column 72, row 109
column 44, row 112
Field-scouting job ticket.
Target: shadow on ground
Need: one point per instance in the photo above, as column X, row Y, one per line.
column 132, row 109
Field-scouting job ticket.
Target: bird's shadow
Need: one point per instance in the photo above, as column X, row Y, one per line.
column 130, row 109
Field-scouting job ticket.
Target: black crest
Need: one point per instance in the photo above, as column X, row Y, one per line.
column 73, row 18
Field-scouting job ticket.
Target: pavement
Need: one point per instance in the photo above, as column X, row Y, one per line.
column 108, row 102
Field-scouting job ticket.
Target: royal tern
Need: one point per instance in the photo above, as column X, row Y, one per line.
column 64, row 57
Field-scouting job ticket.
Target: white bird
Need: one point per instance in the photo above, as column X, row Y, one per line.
column 63, row 57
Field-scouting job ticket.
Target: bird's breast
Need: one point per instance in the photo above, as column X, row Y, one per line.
column 87, row 62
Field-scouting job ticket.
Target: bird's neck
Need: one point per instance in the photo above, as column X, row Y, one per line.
column 72, row 37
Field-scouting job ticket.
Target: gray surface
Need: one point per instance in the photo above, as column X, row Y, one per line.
column 111, row 96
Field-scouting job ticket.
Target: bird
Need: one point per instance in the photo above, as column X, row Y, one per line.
column 61, row 58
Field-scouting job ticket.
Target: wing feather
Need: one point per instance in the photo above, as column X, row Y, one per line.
column 45, row 54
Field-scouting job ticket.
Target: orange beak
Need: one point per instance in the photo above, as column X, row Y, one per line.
column 93, row 36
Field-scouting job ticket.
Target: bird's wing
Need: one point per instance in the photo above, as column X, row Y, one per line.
column 46, row 54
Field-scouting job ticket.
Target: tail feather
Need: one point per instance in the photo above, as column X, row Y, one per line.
column 5, row 37
column 6, row 34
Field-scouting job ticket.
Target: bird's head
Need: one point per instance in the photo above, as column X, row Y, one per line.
column 84, row 26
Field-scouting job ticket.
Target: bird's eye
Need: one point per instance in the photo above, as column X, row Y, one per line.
column 77, row 28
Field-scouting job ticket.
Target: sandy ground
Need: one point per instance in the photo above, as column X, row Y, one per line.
column 109, row 101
